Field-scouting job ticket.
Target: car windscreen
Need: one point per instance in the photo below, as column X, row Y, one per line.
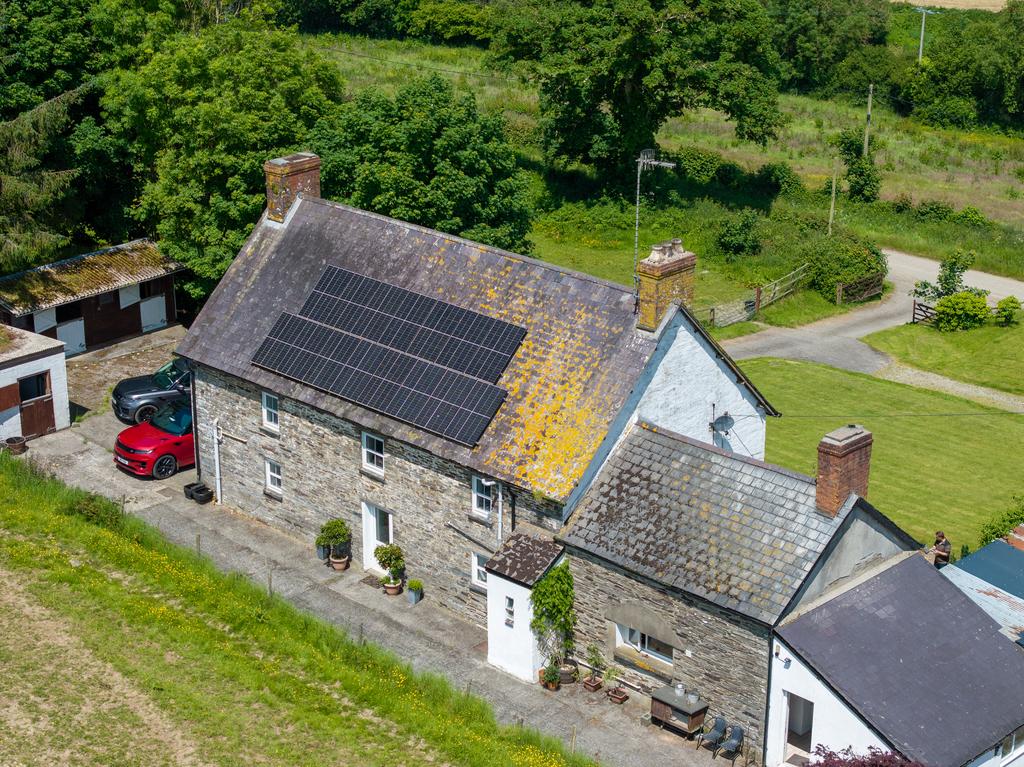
column 175, row 420
column 166, row 376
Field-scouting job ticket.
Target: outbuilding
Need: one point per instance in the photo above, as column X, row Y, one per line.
column 33, row 384
column 94, row 298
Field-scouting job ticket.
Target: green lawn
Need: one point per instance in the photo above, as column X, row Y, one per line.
column 119, row 648
column 929, row 471
column 991, row 356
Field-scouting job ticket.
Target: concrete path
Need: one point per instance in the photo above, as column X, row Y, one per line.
column 427, row 636
column 836, row 340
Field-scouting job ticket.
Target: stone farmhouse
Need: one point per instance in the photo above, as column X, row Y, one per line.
column 493, row 415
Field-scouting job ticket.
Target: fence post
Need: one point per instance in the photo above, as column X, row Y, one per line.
column 839, row 294
column 913, row 313
column 757, row 299
column 711, row 316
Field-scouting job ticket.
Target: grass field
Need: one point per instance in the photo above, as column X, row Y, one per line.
column 121, row 649
column 990, row 356
column 928, row 471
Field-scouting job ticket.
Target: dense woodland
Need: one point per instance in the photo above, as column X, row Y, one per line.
column 121, row 119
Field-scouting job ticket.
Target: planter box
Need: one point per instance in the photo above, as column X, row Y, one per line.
column 592, row 683
column 618, row 696
column 415, row 596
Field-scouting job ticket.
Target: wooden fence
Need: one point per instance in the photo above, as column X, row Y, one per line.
column 860, row 290
column 743, row 309
column 923, row 313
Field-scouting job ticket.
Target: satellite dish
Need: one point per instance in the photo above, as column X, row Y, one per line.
column 723, row 424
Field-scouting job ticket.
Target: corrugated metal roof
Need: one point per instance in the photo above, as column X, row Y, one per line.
column 1004, row 608
column 570, row 376
column 919, row 661
column 1000, row 564
column 89, row 274
column 741, row 533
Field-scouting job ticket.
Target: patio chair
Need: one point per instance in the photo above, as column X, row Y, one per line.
column 714, row 736
column 733, row 744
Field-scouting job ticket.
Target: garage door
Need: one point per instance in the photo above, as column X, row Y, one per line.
column 72, row 333
column 154, row 313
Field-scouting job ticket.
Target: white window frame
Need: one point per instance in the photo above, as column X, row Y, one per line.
column 368, row 451
column 1016, row 746
column 477, row 560
column 510, row 611
column 638, row 641
column 482, row 498
column 270, row 476
column 271, row 414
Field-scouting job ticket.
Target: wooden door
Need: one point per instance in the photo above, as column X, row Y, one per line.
column 36, row 406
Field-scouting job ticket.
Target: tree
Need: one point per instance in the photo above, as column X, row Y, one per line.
column 611, row 72
column 863, row 179
column 429, row 157
column 199, row 120
column 875, row 757
column 951, row 278
column 29, row 192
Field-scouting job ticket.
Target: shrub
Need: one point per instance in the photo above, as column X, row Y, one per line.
column 392, row 559
column 843, row 260
column 334, row 532
column 903, row 203
column 960, row 311
column 951, row 278
column 778, row 177
column 96, row 509
column 552, row 674
column 934, row 210
column 1007, row 310
column 1002, row 524
column 595, row 658
column 698, row 165
column 739, row 237
column 970, row 216
column 451, row 21
column 864, row 179
column 730, row 174
column 415, row 585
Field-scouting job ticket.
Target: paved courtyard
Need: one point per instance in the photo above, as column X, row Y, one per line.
column 427, row 636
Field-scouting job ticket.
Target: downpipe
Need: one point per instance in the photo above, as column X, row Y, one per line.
column 216, row 458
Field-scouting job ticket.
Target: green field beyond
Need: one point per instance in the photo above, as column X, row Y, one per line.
column 118, row 648
column 990, row 356
column 938, row 462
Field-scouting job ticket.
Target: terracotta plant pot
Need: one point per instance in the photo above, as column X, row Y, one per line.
column 552, row 685
column 592, row 683
column 392, row 589
column 339, row 563
column 618, row 695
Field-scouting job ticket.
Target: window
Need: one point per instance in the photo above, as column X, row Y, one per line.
column 273, row 470
column 150, row 288
column 510, row 612
column 34, row 386
column 107, row 298
column 477, row 569
column 1013, row 745
column 373, row 453
column 382, row 528
column 271, row 418
column 482, row 497
column 68, row 312
column 646, row 644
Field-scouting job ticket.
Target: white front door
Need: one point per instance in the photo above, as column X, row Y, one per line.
column 72, row 333
column 154, row 313
column 377, row 531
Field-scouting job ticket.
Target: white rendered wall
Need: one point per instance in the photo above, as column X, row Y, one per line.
column 10, row 420
column 511, row 648
column 688, row 381
column 834, row 723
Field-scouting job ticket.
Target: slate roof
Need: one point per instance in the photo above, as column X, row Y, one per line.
column 524, row 558
column 577, row 364
column 1000, row 564
column 918, row 660
column 89, row 274
column 1003, row 607
column 733, row 530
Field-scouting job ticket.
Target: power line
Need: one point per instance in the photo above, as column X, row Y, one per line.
column 863, row 416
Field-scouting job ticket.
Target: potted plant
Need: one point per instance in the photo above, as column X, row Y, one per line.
column 552, row 676
column 615, row 692
column 334, row 543
column 597, row 664
column 390, row 557
column 415, row 591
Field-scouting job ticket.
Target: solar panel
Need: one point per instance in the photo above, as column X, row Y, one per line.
column 417, row 391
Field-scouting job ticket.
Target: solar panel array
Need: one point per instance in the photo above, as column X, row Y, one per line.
column 417, row 359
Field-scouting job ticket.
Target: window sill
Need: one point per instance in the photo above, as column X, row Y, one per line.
column 270, row 432
column 477, row 588
column 480, row 520
column 272, row 494
column 645, row 664
column 376, row 476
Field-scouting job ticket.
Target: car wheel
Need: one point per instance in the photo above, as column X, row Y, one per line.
column 144, row 413
column 164, row 467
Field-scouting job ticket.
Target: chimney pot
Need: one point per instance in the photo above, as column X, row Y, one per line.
column 844, row 463
column 664, row 277
column 286, row 178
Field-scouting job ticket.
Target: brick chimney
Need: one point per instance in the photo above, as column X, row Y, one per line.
column 286, row 177
column 664, row 277
column 1016, row 537
column 844, row 461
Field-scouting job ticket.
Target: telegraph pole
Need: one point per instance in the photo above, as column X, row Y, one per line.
column 867, row 125
column 920, row 45
column 832, row 206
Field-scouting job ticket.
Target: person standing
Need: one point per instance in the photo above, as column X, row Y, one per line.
column 941, row 550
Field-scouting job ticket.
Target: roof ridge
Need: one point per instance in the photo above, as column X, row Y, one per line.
column 69, row 259
column 674, row 435
column 582, row 276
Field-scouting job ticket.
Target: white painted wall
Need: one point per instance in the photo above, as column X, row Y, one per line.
column 834, row 723
column 511, row 648
column 10, row 420
column 690, row 383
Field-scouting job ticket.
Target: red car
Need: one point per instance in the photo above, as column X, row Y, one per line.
column 160, row 446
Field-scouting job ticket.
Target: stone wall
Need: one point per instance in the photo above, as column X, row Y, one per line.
column 322, row 477
column 720, row 653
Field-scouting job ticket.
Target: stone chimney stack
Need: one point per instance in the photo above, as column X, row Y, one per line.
column 664, row 277
column 844, row 461
column 286, row 177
